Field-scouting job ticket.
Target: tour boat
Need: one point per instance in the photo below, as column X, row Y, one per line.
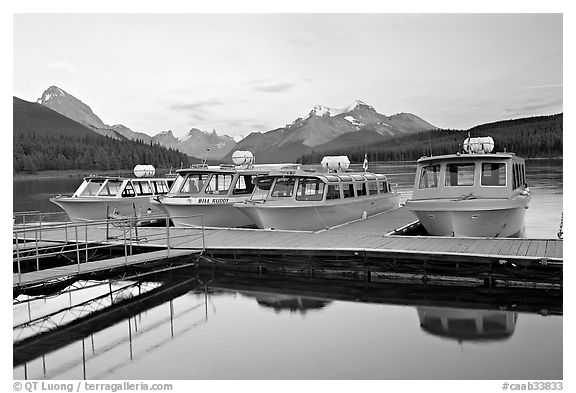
column 476, row 193
column 205, row 195
column 296, row 199
column 101, row 197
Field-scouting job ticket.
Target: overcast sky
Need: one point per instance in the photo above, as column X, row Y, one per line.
column 239, row 73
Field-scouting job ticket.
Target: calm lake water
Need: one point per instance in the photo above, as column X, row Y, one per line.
column 197, row 325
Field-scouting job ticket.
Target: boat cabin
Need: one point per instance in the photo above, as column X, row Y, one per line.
column 117, row 187
column 319, row 187
column 205, row 182
column 495, row 175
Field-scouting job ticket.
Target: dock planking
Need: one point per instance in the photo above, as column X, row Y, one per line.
column 47, row 275
column 342, row 240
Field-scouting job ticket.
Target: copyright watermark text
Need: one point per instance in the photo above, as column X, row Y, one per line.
column 85, row 386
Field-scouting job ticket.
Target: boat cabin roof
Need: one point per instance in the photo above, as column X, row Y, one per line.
column 330, row 177
column 469, row 156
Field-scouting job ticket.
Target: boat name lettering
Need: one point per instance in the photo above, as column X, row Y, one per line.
column 213, row 200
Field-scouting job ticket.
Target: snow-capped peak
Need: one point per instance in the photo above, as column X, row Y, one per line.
column 320, row 110
column 52, row 91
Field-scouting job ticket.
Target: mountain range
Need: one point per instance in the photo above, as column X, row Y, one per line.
column 327, row 129
column 323, row 129
column 195, row 144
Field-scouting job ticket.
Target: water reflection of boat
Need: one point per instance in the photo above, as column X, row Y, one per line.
column 101, row 197
column 290, row 303
column 467, row 324
column 476, row 194
column 296, row 199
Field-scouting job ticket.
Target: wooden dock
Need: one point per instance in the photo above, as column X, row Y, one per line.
column 62, row 272
column 375, row 239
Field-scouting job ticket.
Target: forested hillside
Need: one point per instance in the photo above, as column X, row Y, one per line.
column 528, row 137
column 46, row 140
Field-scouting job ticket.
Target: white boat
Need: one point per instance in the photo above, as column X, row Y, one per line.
column 100, row 197
column 295, row 199
column 205, row 195
column 477, row 193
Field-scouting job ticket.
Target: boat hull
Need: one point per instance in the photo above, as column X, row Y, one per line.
column 94, row 208
column 472, row 218
column 313, row 217
column 187, row 214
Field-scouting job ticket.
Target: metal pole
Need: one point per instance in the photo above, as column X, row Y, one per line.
column 86, row 236
column 77, row 247
column 167, row 237
column 107, row 222
column 125, row 247
column 18, row 260
column 66, row 229
column 203, row 240
column 130, row 236
column 36, row 241
column 40, row 225
column 24, row 227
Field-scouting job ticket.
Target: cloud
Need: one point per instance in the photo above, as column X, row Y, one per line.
column 541, row 86
column 535, row 107
column 195, row 106
column 274, row 87
column 63, row 66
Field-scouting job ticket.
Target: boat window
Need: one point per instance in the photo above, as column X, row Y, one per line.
column 219, row 184
column 143, row 187
column 92, row 187
column 360, row 188
column 193, row 183
column 344, row 177
column 494, row 174
column 383, row 187
column 243, row 186
column 372, row 188
column 110, row 188
column 333, row 191
column 263, row 185
column 369, row 176
column 331, row 178
column 177, row 185
column 429, row 176
column 460, row 174
column 348, row 190
column 310, row 189
column 128, row 190
column 358, row 177
column 160, row 187
column 284, row 187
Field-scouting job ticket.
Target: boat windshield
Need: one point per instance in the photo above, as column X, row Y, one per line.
column 262, row 188
column 494, row 174
column 429, row 176
column 107, row 187
column 190, row 184
column 284, row 187
column 461, row 174
column 310, row 189
column 219, row 184
column 92, row 186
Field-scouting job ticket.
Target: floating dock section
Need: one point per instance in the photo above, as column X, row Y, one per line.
column 368, row 249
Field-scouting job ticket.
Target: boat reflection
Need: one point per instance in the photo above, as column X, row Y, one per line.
column 293, row 304
column 130, row 321
column 467, row 325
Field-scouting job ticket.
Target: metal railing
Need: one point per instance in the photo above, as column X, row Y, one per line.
column 37, row 240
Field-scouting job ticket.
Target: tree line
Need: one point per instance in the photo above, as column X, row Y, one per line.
column 532, row 137
column 34, row 152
